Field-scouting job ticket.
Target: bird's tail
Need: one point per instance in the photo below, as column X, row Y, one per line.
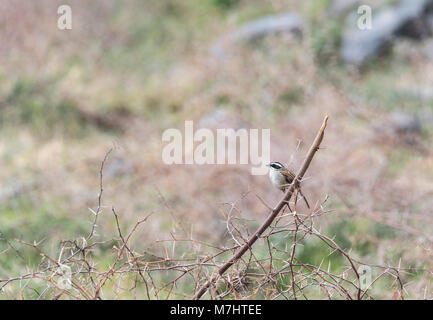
column 305, row 199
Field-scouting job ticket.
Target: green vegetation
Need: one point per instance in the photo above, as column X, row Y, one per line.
column 124, row 76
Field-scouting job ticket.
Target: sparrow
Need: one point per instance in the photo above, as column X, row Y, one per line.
column 281, row 177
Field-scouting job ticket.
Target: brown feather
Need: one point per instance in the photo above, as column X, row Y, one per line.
column 288, row 174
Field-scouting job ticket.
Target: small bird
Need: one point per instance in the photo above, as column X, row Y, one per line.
column 281, row 177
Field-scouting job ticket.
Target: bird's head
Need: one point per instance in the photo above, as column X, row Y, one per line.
column 275, row 166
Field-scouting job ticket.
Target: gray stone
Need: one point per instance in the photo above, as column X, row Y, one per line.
column 403, row 122
column 340, row 8
column 420, row 93
column 358, row 46
column 286, row 22
column 427, row 49
column 118, row 166
column 220, row 118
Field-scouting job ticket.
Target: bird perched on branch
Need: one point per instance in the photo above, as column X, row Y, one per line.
column 281, row 178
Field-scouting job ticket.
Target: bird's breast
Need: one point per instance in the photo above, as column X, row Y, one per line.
column 277, row 179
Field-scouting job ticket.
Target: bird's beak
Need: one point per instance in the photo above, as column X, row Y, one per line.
column 268, row 164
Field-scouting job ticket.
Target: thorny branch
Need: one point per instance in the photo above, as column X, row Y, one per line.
column 183, row 267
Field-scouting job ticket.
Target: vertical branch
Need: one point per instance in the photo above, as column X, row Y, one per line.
column 101, row 190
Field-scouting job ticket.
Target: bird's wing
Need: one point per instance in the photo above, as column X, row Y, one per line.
column 289, row 178
column 288, row 174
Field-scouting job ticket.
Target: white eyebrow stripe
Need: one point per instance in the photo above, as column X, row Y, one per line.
column 277, row 165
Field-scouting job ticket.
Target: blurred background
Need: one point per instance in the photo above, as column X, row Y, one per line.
column 128, row 70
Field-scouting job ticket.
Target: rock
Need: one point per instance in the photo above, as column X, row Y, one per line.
column 220, row 118
column 427, row 49
column 429, row 21
column 118, row 166
column 426, row 117
column 358, row 46
column 420, row 93
column 400, row 128
column 421, row 26
column 14, row 189
column 286, row 22
column 340, row 8
column 403, row 122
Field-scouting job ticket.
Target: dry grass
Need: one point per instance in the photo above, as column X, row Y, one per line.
column 379, row 186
